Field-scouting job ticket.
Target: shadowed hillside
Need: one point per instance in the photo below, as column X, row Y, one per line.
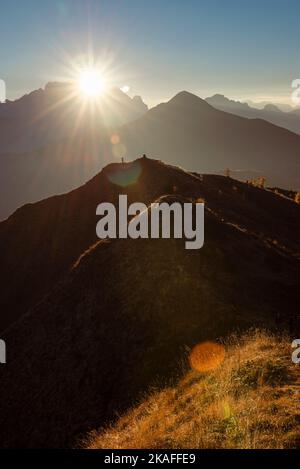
column 109, row 319
column 40, row 242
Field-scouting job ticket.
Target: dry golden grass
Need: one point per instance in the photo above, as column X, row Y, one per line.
column 250, row 401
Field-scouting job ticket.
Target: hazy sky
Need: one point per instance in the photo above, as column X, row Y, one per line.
column 241, row 48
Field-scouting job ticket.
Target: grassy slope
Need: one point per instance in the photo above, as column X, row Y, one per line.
column 250, row 401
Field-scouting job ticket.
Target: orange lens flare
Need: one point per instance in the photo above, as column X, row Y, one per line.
column 207, row 356
column 115, row 139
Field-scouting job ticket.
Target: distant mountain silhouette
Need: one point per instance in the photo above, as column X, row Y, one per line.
column 50, row 143
column 106, row 320
column 190, row 132
column 47, row 116
column 222, row 103
column 261, row 104
column 186, row 131
column 288, row 119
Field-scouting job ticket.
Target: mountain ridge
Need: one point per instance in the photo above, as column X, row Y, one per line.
column 102, row 321
column 34, row 237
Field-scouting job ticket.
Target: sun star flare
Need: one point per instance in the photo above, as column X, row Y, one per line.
column 91, row 83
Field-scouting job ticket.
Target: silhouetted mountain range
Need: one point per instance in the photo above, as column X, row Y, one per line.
column 261, row 104
column 51, row 141
column 49, row 115
column 186, row 131
column 94, row 324
column 289, row 119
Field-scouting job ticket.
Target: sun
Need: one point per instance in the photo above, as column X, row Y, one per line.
column 91, row 83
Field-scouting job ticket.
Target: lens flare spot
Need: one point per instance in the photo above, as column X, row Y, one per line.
column 125, row 175
column 115, row 139
column 119, row 150
column 207, row 356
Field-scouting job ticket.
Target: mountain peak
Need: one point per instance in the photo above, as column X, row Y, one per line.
column 219, row 97
column 272, row 107
column 187, row 98
column 139, row 103
column 221, row 100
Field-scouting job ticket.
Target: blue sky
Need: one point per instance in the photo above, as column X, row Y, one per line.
column 244, row 49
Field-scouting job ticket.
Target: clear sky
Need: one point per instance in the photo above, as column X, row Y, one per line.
column 241, row 48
